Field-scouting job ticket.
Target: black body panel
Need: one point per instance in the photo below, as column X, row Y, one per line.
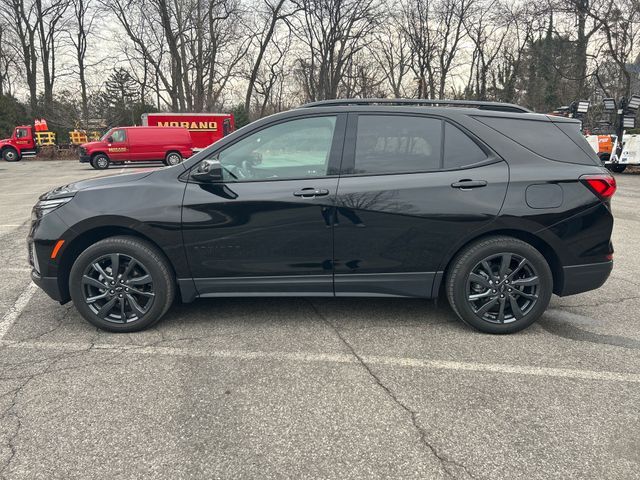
column 391, row 234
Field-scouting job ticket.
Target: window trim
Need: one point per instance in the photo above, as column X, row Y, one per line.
column 348, row 158
column 335, row 151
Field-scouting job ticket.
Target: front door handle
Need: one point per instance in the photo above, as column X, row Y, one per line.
column 466, row 183
column 311, row 192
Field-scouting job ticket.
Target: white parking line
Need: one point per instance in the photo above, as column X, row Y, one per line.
column 302, row 357
column 14, row 312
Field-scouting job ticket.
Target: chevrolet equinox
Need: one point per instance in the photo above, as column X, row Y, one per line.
column 488, row 204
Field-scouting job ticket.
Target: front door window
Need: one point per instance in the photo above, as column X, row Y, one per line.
column 295, row 149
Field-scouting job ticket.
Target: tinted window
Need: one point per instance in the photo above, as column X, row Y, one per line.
column 396, row 144
column 459, row 149
column 541, row 137
column 293, row 149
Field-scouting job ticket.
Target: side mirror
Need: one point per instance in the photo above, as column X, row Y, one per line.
column 208, row 171
column 109, row 139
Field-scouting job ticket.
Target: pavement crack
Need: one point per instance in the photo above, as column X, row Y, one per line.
column 448, row 465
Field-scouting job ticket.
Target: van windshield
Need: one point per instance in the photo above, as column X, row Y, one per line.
column 103, row 138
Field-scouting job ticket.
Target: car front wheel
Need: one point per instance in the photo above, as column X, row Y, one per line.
column 499, row 285
column 100, row 162
column 121, row 284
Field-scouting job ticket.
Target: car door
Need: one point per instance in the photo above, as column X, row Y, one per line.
column 411, row 188
column 266, row 227
column 118, row 148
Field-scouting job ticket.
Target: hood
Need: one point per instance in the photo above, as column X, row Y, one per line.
column 90, row 145
column 71, row 189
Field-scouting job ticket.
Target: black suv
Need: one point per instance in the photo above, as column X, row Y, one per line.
column 487, row 203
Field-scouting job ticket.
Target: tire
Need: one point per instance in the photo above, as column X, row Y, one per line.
column 617, row 168
column 172, row 158
column 147, row 271
column 485, row 312
column 11, row 155
column 100, row 162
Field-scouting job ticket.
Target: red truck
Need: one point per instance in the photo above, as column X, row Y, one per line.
column 21, row 144
column 138, row 144
column 205, row 128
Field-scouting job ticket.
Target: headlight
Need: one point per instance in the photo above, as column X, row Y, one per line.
column 47, row 206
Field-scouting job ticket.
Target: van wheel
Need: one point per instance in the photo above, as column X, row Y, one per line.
column 10, row 155
column 100, row 162
column 121, row 284
column 616, row 168
column 499, row 285
column 173, row 158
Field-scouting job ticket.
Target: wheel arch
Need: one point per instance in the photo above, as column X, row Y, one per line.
column 88, row 238
column 534, row 240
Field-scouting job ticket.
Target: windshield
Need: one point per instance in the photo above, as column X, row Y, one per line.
column 104, row 137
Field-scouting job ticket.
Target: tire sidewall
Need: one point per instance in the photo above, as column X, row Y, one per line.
column 162, row 281
column 9, row 151
column 175, row 155
column 97, row 158
column 457, row 284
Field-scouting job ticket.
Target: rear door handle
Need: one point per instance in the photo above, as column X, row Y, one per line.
column 311, row 192
column 465, row 184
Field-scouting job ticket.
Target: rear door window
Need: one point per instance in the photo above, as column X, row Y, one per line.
column 397, row 144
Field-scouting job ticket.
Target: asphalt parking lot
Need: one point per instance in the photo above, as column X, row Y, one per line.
column 315, row 388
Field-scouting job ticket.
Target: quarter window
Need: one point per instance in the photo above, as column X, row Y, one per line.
column 294, row 149
column 397, row 144
column 459, row 150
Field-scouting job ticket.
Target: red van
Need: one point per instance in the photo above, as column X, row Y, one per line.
column 170, row 145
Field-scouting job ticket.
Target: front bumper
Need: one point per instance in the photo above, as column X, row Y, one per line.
column 85, row 158
column 48, row 284
column 582, row 278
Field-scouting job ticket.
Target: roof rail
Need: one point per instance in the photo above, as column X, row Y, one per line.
column 481, row 105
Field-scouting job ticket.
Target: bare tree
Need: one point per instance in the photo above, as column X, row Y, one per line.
column 619, row 22
column 274, row 12
column 84, row 16
column 49, row 18
column 21, row 16
column 390, row 49
column 331, row 33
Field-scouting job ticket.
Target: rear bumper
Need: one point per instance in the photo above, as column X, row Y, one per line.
column 582, row 278
column 48, row 284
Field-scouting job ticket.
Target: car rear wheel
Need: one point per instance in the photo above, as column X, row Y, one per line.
column 10, row 155
column 100, row 162
column 121, row 284
column 173, row 158
column 499, row 285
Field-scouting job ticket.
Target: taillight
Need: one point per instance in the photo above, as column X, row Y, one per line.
column 604, row 185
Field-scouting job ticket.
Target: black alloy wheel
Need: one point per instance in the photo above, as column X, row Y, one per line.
column 118, row 288
column 499, row 284
column 122, row 284
column 503, row 288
